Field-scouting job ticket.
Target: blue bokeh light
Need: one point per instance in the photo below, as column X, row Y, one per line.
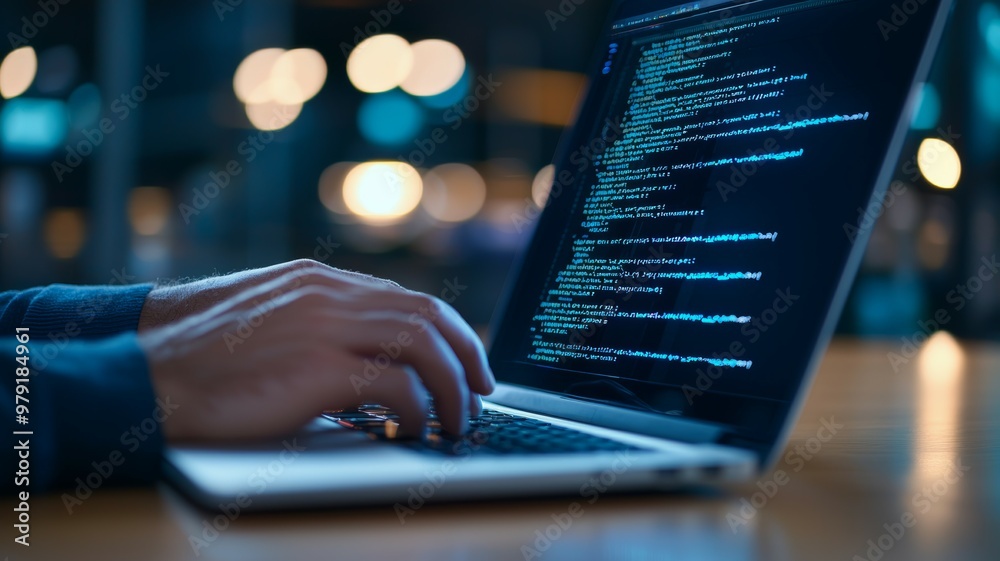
column 390, row 119
column 989, row 26
column 928, row 109
column 887, row 306
column 987, row 85
column 85, row 105
column 33, row 127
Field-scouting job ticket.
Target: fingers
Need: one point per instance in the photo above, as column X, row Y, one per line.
column 393, row 339
column 460, row 336
column 476, row 405
column 400, row 389
column 397, row 387
column 352, row 291
column 300, row 395
column 371, row 318
column 385, row 338
column 309, row 352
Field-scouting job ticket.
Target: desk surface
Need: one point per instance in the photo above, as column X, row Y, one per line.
column 903, row 434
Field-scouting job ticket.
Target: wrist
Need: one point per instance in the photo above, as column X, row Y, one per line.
column 164, row 305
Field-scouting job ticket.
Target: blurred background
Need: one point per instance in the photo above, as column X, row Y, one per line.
column 404, row 138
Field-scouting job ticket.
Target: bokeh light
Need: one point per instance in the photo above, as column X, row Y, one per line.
column 987, row 84
column 297, row 76
column 252, row 81
column 390, row 118
column 941, row 358
column 547, row 97
column 152, row 254
column 939, row 163
column 17, row 72
column 276, row 75
column 272, row 116
column 453, row 192
column 382, row 192
column 33, row 126
column 84, row 105
column 64, row 232
column 274, row 83
column 149, row 210
column 22, row 197
column 437, row 66
column 456, row 94
column 331, row 186
column 542, row 184
column 928, row 108
column 380, row 63
column 989, row 26
column 933, row 243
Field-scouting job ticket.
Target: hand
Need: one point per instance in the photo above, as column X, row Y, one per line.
column 266, row 359
column 173, row 302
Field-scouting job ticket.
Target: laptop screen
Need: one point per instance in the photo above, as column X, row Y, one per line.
column 706, row 203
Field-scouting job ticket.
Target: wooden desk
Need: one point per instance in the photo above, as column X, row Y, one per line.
column 902, row 432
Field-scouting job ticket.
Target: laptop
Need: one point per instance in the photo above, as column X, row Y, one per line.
column 704, row 225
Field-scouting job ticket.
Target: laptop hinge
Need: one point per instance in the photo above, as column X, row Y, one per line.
column 607, row 416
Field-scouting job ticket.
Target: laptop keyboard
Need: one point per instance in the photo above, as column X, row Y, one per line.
column 492, row 433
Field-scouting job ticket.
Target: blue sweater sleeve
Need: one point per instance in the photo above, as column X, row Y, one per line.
column 62, row 312
column 91, row 409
